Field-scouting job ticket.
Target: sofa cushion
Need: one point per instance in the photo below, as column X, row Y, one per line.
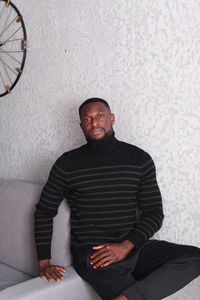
column 10, row 276
column 17, row 202
column 72, row 288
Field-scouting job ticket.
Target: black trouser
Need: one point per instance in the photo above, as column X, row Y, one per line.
column 155, row 271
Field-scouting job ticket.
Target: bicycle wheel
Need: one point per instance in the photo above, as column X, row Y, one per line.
column 13, row 41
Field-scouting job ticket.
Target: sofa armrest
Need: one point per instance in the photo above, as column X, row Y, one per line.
column 71, row 287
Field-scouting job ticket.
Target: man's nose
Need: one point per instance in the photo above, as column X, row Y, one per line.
column 94, row 122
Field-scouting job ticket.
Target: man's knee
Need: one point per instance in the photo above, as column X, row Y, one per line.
column 193, row 255
column 194, row 252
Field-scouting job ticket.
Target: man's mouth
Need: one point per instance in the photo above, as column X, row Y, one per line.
column 96, row 131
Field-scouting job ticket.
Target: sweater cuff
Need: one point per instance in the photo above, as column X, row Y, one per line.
column 136, row 238
column 43, row 252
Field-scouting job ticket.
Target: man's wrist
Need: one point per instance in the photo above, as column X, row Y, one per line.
column 128, row 244
column 43, row 263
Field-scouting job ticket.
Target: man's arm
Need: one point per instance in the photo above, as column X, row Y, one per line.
column 150, row 202
column 46, row 209
column 150, row 221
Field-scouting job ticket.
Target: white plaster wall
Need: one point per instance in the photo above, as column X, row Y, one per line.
column 143, row 56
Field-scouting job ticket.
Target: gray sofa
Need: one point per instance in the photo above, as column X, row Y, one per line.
column 18, row 262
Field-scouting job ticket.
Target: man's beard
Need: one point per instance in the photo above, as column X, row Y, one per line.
column 106, row 135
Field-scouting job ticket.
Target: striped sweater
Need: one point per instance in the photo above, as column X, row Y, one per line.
column 103, row 182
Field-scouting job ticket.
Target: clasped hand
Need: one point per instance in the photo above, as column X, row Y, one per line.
column 107, row 254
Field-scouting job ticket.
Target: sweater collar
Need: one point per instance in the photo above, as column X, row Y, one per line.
column 108, row 144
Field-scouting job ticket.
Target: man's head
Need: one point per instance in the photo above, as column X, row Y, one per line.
column 96, row 119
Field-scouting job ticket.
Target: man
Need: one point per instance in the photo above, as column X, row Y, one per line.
column 104, row 181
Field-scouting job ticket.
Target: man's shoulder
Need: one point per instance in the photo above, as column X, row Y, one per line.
column 140, row 153
column 71, row 154
column 70, row 160
column 74, row 151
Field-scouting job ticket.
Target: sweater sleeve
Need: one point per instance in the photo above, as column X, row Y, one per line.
column 150, row 205
column 46, row 209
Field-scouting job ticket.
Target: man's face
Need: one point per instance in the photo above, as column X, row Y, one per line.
column 96, row 120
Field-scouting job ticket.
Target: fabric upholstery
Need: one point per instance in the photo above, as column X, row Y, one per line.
column 72, row 288
column 10, row 276
column 17, row 202
column 17, row 250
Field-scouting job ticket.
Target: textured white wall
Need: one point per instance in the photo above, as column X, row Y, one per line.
column 143, row 56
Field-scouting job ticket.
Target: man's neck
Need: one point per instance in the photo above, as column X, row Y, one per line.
column 107, row 144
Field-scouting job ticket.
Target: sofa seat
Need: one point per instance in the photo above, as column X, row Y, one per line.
column 72, row 287
column 18, row 260
column 10, row 276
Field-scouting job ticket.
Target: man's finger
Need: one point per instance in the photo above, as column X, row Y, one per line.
column 62, row 269
column 42, row 275
column 99, row 247
column 55, row 276
column 59, row 275
column 48, row 277
column 108, row 263
column 52, row 272
column 100, row 251
column 100, row 257
column 102, row 262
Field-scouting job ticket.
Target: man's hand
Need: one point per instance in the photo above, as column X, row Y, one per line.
column 120, row 297
column 50, row 272
column 108, row 254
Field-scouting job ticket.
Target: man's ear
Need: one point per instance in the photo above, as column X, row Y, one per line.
column 112, row 117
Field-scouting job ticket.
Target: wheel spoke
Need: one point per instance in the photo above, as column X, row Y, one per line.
column 14, row 40
column 14, row 52
column 2, row 79
column 2, row 12
column 13, row 34
column 7, row 52
column 8, row 67
column 4, row 30
column 5, row 24
column 6, row 71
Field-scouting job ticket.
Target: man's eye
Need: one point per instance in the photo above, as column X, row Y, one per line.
column 100, row 116
column 85, row 120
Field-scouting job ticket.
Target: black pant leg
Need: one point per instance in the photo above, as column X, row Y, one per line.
column 110, row 281
column 162, row 269
column 156, row 271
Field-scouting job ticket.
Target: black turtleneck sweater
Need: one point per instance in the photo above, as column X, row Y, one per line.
column 103, row 181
